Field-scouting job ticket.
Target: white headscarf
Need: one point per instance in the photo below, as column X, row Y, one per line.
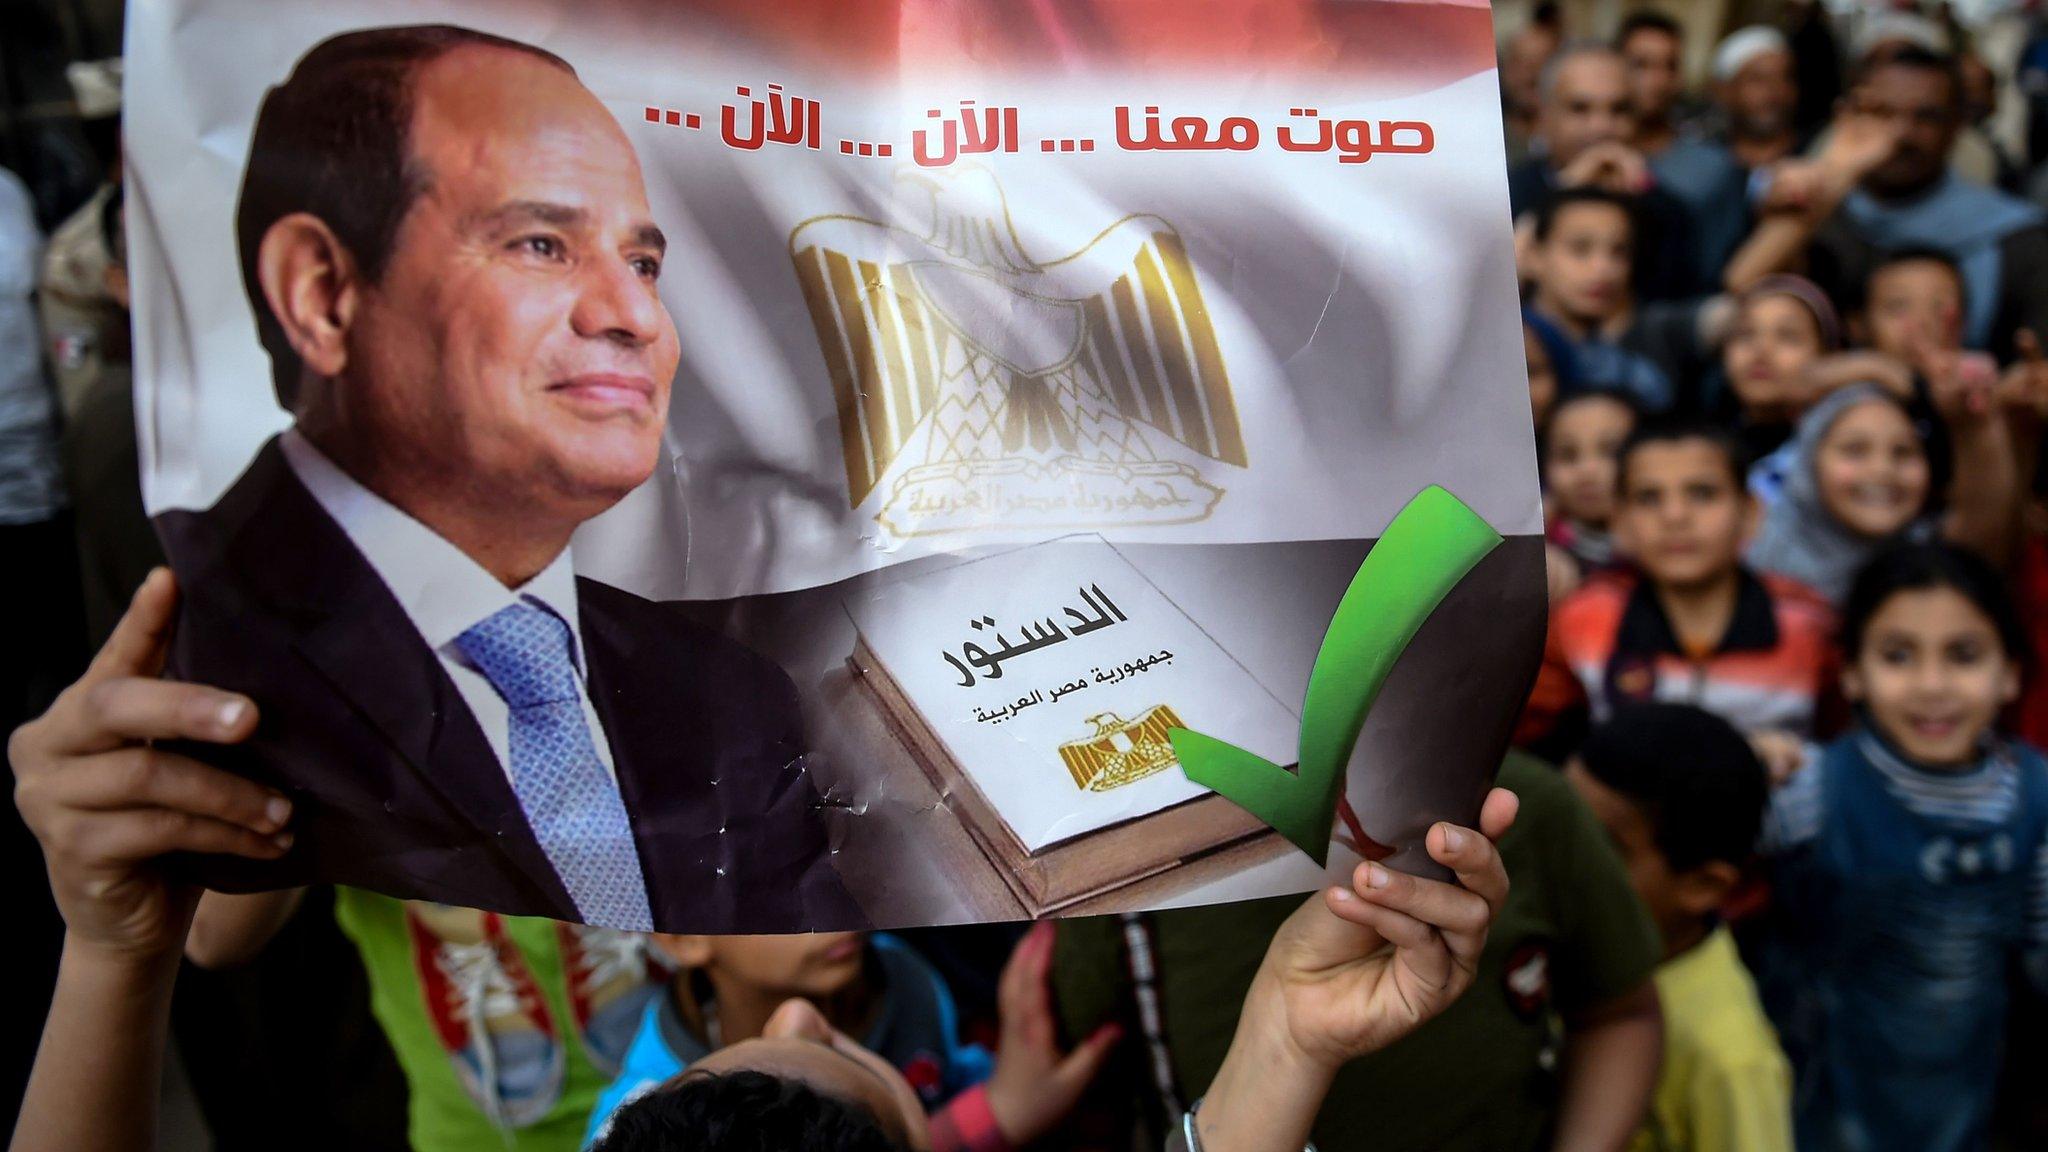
column 1800, row 538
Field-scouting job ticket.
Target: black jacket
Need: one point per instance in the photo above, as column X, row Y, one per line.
column 395, row 787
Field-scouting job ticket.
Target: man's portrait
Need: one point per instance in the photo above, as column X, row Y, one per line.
column 446, row 242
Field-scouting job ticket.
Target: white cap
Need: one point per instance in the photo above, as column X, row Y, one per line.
column 96, row 86
column 1744, row 45
column 1917, row 30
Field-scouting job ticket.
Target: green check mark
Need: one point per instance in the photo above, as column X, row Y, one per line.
column 1428, row 548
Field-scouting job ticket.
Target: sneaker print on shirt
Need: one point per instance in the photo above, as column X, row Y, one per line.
column 612, row 975
column 488, row 1012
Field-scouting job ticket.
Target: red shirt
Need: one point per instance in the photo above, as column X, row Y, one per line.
column 2030, row 712
column 1610, row 643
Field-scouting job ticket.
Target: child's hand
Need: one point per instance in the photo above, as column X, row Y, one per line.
column 1960, row 385
column 2024, row 386
column 1613, row 166
column 107, row 806
column 1793, row 186
column 1352, row 971
column 1829, row 372
column 1859, row 140
column 1782, row 753
column 1363, row 966
column 1034, row 1087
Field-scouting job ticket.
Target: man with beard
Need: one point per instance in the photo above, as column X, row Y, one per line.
column 1914, row 199
column 1754, row 86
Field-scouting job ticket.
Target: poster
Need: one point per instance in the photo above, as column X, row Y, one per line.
column 725, row 467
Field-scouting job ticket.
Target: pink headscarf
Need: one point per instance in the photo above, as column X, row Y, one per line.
column 1808, row 293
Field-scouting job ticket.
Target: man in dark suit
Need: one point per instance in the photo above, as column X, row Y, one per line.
column 446, row 240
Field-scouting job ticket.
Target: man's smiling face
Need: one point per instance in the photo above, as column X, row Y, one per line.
column 514, row 343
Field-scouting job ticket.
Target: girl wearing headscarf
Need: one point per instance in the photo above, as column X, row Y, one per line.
column 1859, row 476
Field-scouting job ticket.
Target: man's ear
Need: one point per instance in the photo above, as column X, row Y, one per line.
column 684, row 951
column 311, row 283
column 1704, row 889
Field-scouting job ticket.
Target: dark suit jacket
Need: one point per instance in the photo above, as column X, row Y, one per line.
column 395, row 787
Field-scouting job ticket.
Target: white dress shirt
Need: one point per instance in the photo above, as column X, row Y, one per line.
column 442, row 590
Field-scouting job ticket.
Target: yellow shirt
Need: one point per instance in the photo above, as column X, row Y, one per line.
column 1726, row 1085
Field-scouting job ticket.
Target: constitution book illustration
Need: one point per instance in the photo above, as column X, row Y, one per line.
column 1036, row 688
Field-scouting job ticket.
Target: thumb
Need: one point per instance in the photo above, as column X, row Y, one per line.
column 1080, row 1067
column 2029, row 346
column 1322, row 934
column 141, row 639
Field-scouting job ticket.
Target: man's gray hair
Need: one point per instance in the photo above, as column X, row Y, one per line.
column 1546, row 84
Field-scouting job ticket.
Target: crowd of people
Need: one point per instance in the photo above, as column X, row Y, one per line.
column 1789, row 384
column 1778, row 833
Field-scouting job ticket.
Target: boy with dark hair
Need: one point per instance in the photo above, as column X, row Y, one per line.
column 749, row 1111
column 1686, row 621
column 1579, row 260
column 1682, row 795
column 1913, row 297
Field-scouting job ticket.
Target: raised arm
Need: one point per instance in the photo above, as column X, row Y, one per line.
column 1611, row 1057
column 1984, row 491
column 228, row 931
column 1802, row 194
column 1352, row 971
column 107, row 808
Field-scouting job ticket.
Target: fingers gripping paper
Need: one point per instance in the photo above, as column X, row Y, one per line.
column 757, row 468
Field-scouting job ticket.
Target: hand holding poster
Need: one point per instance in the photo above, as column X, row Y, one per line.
column 736, row 468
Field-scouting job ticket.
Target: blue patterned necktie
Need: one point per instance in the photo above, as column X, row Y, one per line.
column 572, row 803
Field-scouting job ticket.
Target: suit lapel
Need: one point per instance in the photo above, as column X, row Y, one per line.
column 608, row 657
column 659, row 750
column 358, row 637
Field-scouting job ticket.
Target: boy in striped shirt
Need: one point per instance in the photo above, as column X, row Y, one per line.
column 1684, row 621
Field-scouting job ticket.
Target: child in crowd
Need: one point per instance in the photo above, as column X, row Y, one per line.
column 877, row 990
column 1579, row 263
column 1859, row 476
column 1785, row 354
column 1910, row 867
column 1912, row 300
column 1546, row 373
column 1682, row 796
column 1686, row 622
column 1580, row 447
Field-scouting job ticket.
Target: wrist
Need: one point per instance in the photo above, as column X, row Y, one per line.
column 1270, row 1087
column 969, row 1123
column 115, row 966
column 1267, row 1037
column 1005, row 1110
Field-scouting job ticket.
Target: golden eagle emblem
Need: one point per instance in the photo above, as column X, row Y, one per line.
column 993, row 388
column 1122, row 751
